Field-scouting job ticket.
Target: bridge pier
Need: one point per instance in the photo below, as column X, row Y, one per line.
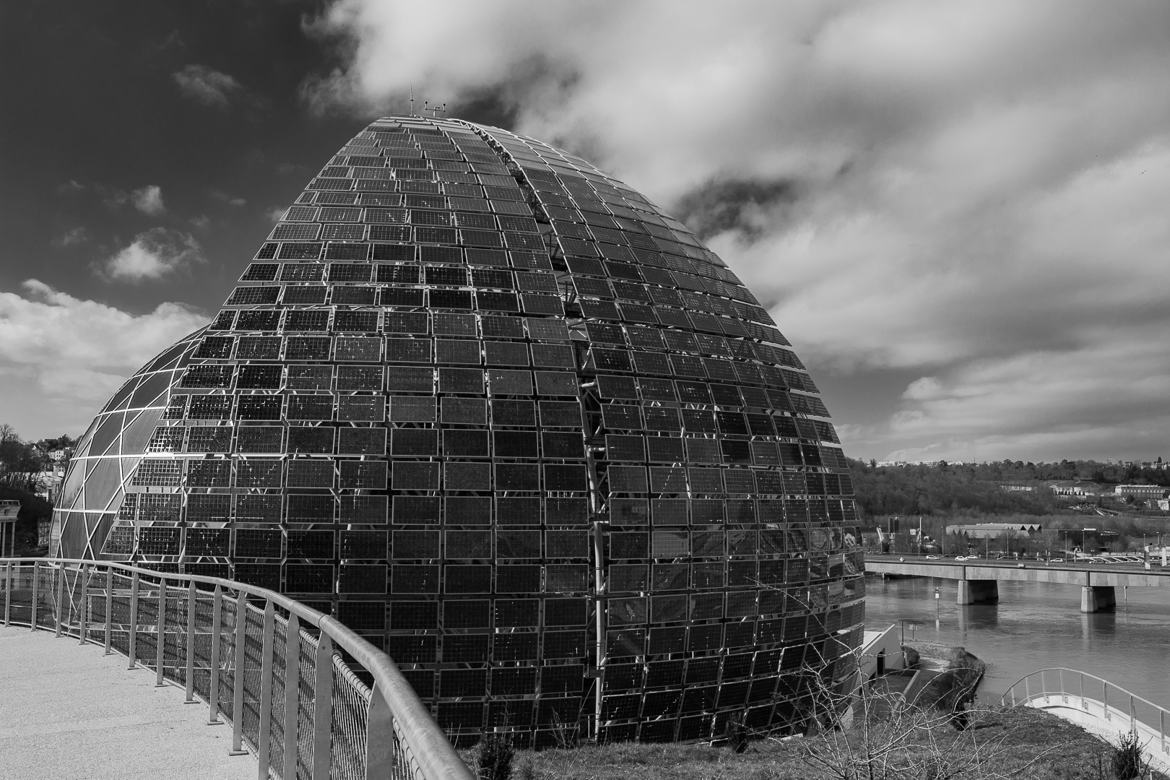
column 1098, row 598
column 978, row 592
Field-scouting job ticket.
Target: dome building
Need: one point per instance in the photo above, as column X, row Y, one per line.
column 506, row 419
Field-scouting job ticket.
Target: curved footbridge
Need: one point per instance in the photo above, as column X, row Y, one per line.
column 286, row 691
column 1098, row 706
column 978, row 582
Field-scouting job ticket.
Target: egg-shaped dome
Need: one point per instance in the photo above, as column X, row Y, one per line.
column 508, row 420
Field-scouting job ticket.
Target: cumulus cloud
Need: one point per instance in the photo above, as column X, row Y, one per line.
column 153, row 254
column 932, row 189
column 207, row 85
column 74, row 352
column 149, row 200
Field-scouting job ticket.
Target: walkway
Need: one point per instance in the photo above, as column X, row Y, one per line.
column 69, row 711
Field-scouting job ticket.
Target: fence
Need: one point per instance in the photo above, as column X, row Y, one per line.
column 1097, row 704
column 309, row 697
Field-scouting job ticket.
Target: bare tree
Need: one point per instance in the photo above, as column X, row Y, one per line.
column 865, row 730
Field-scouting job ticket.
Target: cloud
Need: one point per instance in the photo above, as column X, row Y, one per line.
column 153, row 254
column 149, row 200
column 72, row 237
column 231, row 200
column 76, row 352
column 972, row 194
column 207, row 85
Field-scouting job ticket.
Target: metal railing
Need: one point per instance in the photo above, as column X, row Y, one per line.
column 1111, row 706
column 304, row 693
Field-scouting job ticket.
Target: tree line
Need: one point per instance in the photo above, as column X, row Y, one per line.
column 956, row 489
column 22, row 462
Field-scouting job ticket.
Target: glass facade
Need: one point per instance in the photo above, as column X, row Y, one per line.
column 512, row 423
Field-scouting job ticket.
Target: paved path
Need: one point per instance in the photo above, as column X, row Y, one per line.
column 70, row 711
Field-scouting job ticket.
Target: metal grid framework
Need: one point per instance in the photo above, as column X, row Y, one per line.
column 511, row 422
column 340, row 709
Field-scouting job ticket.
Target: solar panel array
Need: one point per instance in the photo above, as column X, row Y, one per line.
column 514, row 424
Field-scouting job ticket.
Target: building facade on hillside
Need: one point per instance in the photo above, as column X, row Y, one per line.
column 1143, row 492
column 506, row 419
column 1075, row 488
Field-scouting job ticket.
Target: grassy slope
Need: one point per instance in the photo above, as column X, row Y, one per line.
column 1041, row 746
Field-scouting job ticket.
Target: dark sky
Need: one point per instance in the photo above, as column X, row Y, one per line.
column 956, row 211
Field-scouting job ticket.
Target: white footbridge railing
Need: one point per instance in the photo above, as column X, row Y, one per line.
column 1096, row 705
column 306, row 695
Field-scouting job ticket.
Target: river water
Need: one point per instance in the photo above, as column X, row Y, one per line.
column 1034, row 626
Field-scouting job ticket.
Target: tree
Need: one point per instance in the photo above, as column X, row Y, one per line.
column 868, row 731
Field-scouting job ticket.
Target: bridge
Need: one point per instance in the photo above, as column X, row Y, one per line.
column 293, row 687
column 978, row 580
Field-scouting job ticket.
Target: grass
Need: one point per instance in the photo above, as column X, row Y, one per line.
column 1020, row 742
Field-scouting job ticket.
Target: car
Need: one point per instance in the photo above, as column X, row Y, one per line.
column 932, row 557
column 1056, row 560
column 960, row 557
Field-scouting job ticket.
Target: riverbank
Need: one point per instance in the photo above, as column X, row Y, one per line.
column 999, row 742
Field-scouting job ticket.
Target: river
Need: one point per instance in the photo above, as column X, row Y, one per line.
column 1034, row 626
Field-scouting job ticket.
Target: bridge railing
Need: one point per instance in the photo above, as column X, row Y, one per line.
column 305, row 694
column 1094, row 696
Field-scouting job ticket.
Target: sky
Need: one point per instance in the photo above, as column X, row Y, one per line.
column 956, row 211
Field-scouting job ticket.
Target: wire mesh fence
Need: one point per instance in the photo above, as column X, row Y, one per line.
column 287, row 678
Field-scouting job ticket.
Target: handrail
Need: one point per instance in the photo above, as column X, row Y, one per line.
column 400, row 738
column 1145, row 717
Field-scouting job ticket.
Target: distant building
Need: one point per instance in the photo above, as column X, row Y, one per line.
column 1143, row 492
column 1075, row 488
column 1017, row 487
column 994, row 530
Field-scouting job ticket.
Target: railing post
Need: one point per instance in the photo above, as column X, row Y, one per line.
column 133, row 618
column 161, row 646
column 109, row 610
column 59, row 599
column 84, row 612
column 292, row 688
column 264, row 734
column 7, row 592
column 379, row 736
column 213, row 688
column 238, row 678
column 32, row 615
column 323, row 708
column 189, row 678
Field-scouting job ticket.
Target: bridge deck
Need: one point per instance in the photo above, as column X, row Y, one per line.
column 68, row 710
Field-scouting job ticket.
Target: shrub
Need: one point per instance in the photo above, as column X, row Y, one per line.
column 1127, row 757
column 494, row 757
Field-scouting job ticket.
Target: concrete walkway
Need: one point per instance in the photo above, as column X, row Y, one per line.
column 69, row 711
